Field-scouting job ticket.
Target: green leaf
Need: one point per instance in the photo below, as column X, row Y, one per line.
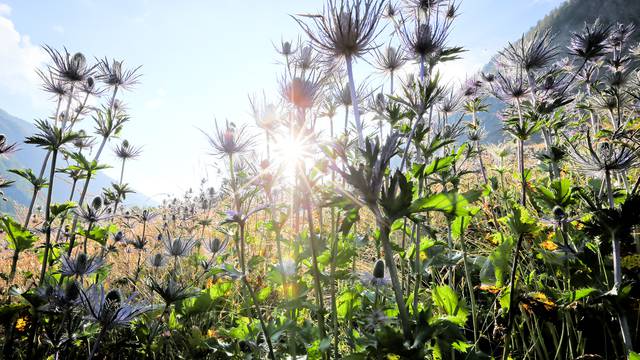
column 445, row 298
column 438, row 165
column 58, row 209
column 453, row 204
column 520, row 222
column 18, row 237
column 264, row 293
column 579, row 294
column 100, row 234
column 459, row 225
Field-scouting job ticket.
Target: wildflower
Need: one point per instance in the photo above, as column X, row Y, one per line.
column 591, row 43
column 157, row 260
column 110, row 310
column 603, row 156
column 69, row 68
column 346, row 28
column 215, row 246
column 81, row 265
column 425, row 6
column 92, row 213
column 112, row 74
column 170, row 290
column 531, row 54
column 229, row 141
column 53, row 84
column 285, row 49
column 6, row 148
column 126, row 151
column 426, row 40
column 510, row 86
column 178, row 247
column 390, row 59
column 58, row 298
column 212, row 333
column 549, row 245
column 138, row 242
column 620, row 34
column 83, row 141
column 377, row 277
column 303, row 91
column 21, row 324
column 489, row 288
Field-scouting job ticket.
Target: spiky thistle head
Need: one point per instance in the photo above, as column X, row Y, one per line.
column 67, row 67
column 81, row 265
column 303, row 90
column 591, row 42
column 178, row 247
column 390, row 59
column 426, row 39
column 52, row 84
column 344, row 29
column 531, row 53
column 510, row 85
column 126, row 151
column 229, row 140
column 112, row 74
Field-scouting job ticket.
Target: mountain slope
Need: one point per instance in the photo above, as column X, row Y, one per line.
column 28, row 156
column 566, row 19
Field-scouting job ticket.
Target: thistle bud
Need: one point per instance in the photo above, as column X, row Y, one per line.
column 114, row 296
column 558, row 213
column 81, row 261
column 72, row 291
column 96, row 203
column 378, row 269
column 78, row 60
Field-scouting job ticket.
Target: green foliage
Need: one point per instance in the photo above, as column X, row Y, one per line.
column 19, row 238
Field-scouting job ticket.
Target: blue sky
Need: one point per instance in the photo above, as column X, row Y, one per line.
column 200, row 60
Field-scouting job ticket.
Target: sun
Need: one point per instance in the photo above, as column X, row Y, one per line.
column 291, row 153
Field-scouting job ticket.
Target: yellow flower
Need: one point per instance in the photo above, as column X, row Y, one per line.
column 543, row 299
column 21, row 324
column 489, row 288
column 212, row 333
column 549, row 245
column 423, row 256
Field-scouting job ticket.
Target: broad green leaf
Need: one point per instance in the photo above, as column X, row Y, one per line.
column 58, row 209
column 445, row 298
column 17, row 236
column 452, row 204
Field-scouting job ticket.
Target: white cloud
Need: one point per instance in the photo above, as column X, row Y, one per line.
column 5, row 10
column 18, row 59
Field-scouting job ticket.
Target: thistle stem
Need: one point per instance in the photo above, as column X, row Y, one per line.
column 393, row 273
column 48, row 219
column 354, row 101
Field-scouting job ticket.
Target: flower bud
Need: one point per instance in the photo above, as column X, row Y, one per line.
column 378, row 269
